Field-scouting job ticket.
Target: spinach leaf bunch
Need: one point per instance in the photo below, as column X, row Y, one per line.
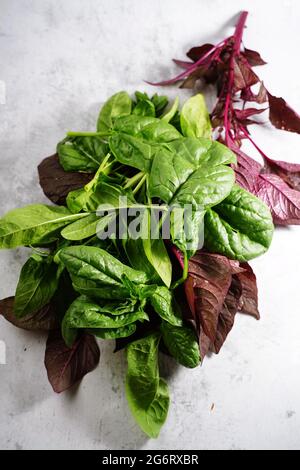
column 81, row 285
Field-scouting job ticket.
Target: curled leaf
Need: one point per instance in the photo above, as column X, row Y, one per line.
column 196, row 53
column 243, row 74
column 253, row 57
column 282, row 116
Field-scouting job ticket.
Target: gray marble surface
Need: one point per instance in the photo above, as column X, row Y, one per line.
column 60, row 61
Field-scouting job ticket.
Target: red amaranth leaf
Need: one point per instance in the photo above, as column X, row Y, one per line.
column 198, row 74
column 196, row 53
column 253, row 57
column 204, row 344
column 247, row 170
column 248, row 303
column 243, row 114
column 260, row 97
column 215, row 290
column 282, row 116
column 44, row 319
column 289, row 172
column 243, row 74
column 56, row 182
column 227, row 314
column 66, row 366
column 283, row 201
column 207, row 285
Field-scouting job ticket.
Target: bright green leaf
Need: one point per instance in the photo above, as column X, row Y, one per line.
column 37, row 284
column 182, row 344
column 118, row 105
column 194, row 118
column 33, row 225
column 147, row 394
column 240, row 227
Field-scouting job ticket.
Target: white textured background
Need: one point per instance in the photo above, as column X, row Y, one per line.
column 60, row 60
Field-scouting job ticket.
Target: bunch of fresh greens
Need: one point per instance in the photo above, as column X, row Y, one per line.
column 146, row 293
column 241, row 98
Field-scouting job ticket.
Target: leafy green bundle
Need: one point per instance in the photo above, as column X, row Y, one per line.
column 140, row 291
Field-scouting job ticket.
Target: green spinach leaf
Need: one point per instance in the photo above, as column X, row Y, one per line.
column 33, row 225
column 144, row 108
column 136, row 255
column 118, row 105
column 136, row 140
column 86, row 227
column 160, row 102
column 114, row 333
column 165, row 305
column 82, row 153
column 240, row 227
column 187, row 230
column 155, row 250
column 170, row 114
column 146, row 392
column 182, row 344
column 194, row 118
column 84, row 313
column 37, row 284
column 193, row 171
column 98, row 290
column 98, row 193
column 96, row 265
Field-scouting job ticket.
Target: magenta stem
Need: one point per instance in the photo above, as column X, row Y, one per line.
column 246, row 133
column 192, row 68
column 239, row 30
column 178, row 256
column 238, row 34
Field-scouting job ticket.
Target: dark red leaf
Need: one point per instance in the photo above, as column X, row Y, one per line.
column 44, row 319
column 260, row 97
column 283, row 201
column 66, row 366
column 191, row 80
column 213, row 291
column 282, row 116
column 243, row 74
column 207, row 73
column 249, row 296
column 196, row 53
column 227, row 314
column 242, row 114
column 207, row 285
column 204, row 344
column 253, row 57
column 289, row 172
column 56, row 182
column 242, row 294
column 247, row 170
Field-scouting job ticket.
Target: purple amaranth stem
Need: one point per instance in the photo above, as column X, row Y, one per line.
column 238, row 34
column 190, row 69
column 247, row 135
